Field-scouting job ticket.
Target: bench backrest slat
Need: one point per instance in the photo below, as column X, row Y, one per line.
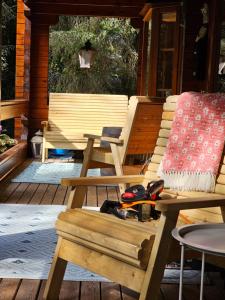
column 86, row 112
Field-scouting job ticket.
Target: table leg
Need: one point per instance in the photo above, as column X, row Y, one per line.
column 181, row 271
column 202, row 276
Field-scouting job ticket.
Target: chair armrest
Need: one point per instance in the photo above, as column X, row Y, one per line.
column 85, row 181
column 190, row 203
column 92, row 136
column 104, row 138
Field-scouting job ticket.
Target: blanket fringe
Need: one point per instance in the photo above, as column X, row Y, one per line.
column 188, row 181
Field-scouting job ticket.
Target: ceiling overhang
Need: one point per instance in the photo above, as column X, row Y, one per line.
column 100, row 8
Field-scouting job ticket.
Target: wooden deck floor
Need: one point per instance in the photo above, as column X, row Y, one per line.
column 24, row 289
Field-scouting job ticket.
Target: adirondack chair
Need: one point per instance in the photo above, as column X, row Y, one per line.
column 130, row 253
column 143, row 119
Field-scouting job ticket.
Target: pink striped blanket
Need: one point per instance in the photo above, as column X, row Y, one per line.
column 195, row 143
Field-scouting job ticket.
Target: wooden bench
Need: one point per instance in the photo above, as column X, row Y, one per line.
column 72, row 115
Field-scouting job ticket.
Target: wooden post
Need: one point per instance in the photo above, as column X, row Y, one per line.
column 142, row 54
column 39, row 69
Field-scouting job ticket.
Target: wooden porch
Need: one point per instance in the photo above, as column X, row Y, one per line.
column 28, row 193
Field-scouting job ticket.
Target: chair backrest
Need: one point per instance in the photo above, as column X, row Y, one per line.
column 167, row 118
column 143, row 120
column 86, row 113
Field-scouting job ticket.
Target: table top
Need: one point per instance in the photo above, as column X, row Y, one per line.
column 206, row 237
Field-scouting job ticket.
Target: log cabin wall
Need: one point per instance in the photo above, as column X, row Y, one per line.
column 20, row 50
column 40, row 38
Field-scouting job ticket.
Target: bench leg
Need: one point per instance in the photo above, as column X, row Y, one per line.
column 55, row 277
column 43, row 153
column 44, row 150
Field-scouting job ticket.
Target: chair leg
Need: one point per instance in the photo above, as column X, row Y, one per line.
column 55, row 277
column 222, row 208
column 159, row 255
column 117, row 164
column 77, row 195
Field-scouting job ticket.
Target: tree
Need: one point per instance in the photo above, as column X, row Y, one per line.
column 115, row 63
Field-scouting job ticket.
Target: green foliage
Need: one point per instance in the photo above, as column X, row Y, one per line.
column 6, row 142
column 8, row 48
column 114, row 67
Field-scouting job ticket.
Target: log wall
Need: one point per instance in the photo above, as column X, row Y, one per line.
column 20, row 29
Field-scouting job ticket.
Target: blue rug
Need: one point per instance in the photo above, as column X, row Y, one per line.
column 51, row 173
column 28, row 240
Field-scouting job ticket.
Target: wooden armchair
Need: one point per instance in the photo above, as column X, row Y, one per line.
column 143, row 119
column 133, row 254
column 130, row 253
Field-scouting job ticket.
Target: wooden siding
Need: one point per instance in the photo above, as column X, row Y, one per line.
column 20, row 50
column 22, row 53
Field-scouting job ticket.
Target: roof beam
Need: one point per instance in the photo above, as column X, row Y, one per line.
column 85, row 10
column 90, row 2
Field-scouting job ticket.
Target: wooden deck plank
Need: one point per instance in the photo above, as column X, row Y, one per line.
column 128, row 294
column 101, row 195
column 217, row 289
column 60, row 195
column 41, row 290
column 92, row 196
column 9, row 288
column 90, row 290
column 113, row 193
column 39, row 194
column 110, row 291
column 28, row 289
column 6, row 190
column 170, row 291
column 28, row 194
column 191, row 292
column 17, row 194
column 49, row 194
column 70, row 290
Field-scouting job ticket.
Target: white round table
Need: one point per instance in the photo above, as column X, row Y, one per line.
column 205, row 238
